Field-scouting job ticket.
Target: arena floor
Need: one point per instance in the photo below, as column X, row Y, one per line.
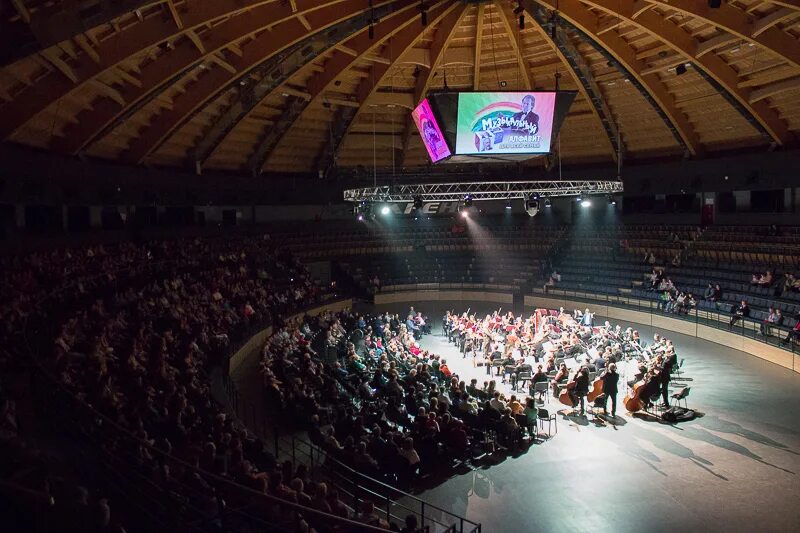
column 736, row 468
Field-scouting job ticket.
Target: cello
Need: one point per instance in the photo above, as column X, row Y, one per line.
column 565, row 397
column 596, row 390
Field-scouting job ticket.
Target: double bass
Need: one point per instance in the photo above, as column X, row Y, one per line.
column 641, row 391
column 596, row 390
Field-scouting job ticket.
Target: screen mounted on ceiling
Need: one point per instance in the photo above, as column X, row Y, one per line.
column 504, row 123
column 430, row 132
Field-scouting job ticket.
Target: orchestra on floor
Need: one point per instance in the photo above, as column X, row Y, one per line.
column 566, row 355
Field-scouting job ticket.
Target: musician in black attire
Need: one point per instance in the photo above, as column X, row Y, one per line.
column 610, row 383
column 581, row 388
column 666, row 370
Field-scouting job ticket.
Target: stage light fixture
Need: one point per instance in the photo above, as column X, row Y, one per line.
column 532, row 206
column 680, row 69
column 360, row 217
column 468, row 201
column 586, row 203
column 611, row 200
column 508, row 203
column 385, row 210
column 579, row 199
column 465, row 213
column 547, row 202
column 418, row 203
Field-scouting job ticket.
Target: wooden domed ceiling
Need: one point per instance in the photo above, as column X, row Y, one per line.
column 296, row 85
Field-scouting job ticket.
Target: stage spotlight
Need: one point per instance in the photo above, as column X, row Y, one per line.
column 467, row 201
column 611, row 200
column 508, row 203
column 547, row 202
column 680, row 69
column 532, row 207
column 465, row 213
column 360, row 217
column 385, row 210
column 586, row 203
column 418, row 202
column 579, row 199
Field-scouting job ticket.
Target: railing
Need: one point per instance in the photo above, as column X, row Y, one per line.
column 395, row 504
column 358, row 487
column 717, row 319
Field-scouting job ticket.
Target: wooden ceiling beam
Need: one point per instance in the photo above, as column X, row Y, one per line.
column 776, row 17
column 598, row 109
column 175, row 15
column 55, row 59
column 441, row 41
column 402, row 42
column 505, row 15
column 353, row 41
column 586, row 21
column 715, row 42
column 774, row 88
column 147, row 35
column 84, row 45
column 185, row 57
column 734, row 20
column 716, row 69
column 476, row 71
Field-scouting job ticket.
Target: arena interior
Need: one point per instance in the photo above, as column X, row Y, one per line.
column 430, row 266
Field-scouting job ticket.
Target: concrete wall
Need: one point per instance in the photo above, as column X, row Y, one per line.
column 444, row 295
column 759, row 349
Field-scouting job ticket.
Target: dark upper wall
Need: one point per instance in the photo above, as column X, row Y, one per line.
column 35, row 177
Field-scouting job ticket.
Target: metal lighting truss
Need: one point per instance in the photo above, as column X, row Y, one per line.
column 486, row 190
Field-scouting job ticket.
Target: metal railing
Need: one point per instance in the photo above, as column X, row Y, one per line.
column 717, row 319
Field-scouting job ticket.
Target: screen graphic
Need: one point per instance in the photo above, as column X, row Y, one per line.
column 429, row 130
column 504, row 123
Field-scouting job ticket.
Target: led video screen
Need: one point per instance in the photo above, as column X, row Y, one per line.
column 499, row 123
column 430, row 132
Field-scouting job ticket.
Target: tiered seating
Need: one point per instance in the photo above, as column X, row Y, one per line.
column 499, row 256
column 610, row 261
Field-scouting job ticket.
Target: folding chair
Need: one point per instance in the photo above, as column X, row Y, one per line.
column 682, row 394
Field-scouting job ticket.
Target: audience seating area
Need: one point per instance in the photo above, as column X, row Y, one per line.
column 120, row 340
column 613, row 261
column 495, row 255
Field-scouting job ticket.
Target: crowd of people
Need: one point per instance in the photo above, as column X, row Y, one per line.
column 387, row 407
column 127, row 333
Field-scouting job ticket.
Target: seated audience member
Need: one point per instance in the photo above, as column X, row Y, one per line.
column 773, row 318
column 739, row 312
column 793, row 335
column 709, row 292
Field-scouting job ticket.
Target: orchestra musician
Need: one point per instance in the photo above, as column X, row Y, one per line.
column 560, row 377
column 581, row 389
column 610, row 382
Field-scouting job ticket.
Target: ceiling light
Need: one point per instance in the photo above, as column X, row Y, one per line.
column 680, row 69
